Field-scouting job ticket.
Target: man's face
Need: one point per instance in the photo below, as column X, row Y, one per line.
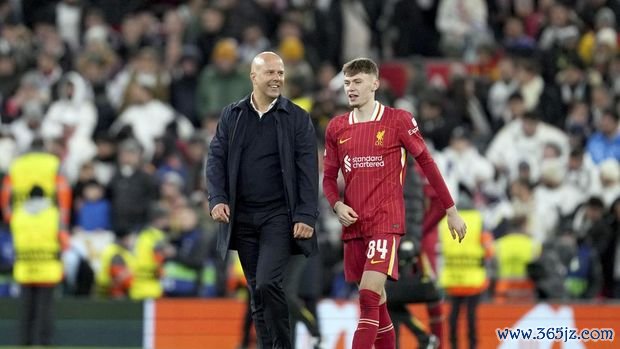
column 268, row 78
column 529, row 127
column 360, row 88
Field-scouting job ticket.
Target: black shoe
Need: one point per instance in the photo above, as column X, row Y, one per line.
column 430, row 342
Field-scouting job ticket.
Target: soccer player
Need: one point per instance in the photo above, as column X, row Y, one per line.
column 369, row 146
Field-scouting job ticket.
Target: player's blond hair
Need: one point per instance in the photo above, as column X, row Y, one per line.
column 360, row 65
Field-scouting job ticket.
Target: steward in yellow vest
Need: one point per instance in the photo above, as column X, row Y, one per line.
column 515, row 251
column 115, row 276
column 149, row 253
column 463, row 273
column 38, row 267
column 41, row 169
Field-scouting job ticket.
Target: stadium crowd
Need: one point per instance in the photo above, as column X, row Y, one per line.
column 521, row 110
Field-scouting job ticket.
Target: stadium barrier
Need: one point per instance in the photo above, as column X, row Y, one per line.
column 216, row 323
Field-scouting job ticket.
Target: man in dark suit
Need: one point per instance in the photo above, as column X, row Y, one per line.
column 262, row 178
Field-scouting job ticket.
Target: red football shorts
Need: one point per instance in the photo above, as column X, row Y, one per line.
column 377, row 253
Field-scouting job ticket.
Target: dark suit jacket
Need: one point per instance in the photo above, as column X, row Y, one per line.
column 298, row 158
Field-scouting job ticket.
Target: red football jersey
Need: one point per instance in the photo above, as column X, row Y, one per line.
column 372, row 158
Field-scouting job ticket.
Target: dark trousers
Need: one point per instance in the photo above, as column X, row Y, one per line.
column 36, row 325
column 263, row 241
column 472, row 305
column 400, row 315
column 300, row 310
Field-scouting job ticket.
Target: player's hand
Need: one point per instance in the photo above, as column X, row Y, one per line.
column 346, row 215
column 221, row 213
column 456, row 224
column 302, row 231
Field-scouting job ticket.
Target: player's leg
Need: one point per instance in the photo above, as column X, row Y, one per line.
column 381, row 262
column 371, row 291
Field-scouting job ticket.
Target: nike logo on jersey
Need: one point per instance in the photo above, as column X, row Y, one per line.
column 342, row 141
column 372, row 261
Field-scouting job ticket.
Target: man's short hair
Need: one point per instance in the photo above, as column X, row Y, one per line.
column 360, row 65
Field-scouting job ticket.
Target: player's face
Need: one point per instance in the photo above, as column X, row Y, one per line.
column 360, row 89
column 268, row 79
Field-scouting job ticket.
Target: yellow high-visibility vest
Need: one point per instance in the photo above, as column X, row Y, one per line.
column 146, row 282
column 514, row 252
column 37, row 246
column 33, row 169
column 103, row 279
column 463, row 263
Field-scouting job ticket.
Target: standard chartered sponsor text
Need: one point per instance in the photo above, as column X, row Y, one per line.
column 368, row 161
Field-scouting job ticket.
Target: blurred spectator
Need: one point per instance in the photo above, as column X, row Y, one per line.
column 131, row 190
column 292, row 51
column 221, row 83
column 150, row 251
column 515, row 250
column 582, row 173
column 609, row 174
column 516, row 41
column 115, row 274
column 68, row 20
column 104, row 162
column 144, row 63
column 72, row 119
column 9, row 73
column 147, row 118
column 470, row 168
column 605, row 142
column 195, row 158
column 435, row 122
column 183, row 271
column 523, row 140
column 584, row 277
column 27, row 92
column 253, row 42
column 212, row 21
column 184, row 84
column 27, row 127
column 468, row 107
column 605, row 18
column 7, row 257
column 93, row 212
column 173, row 29
column 500, row 92
column 463, row 27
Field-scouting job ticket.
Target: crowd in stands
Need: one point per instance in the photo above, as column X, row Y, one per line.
column 521, row 109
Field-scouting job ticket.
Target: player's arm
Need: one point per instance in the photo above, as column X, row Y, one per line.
column 412, row 140
column 331, row 166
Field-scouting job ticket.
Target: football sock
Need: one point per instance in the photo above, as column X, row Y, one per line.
column 368, row 325
column 386, row 338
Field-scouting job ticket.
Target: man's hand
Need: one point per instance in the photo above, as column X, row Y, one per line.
column 221, row 213
column 302, row 231
column 346, row 215
column 456, row 224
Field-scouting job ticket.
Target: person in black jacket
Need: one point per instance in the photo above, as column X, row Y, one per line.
column 262, row 182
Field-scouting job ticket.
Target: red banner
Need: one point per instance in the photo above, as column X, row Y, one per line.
column 216, row 324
